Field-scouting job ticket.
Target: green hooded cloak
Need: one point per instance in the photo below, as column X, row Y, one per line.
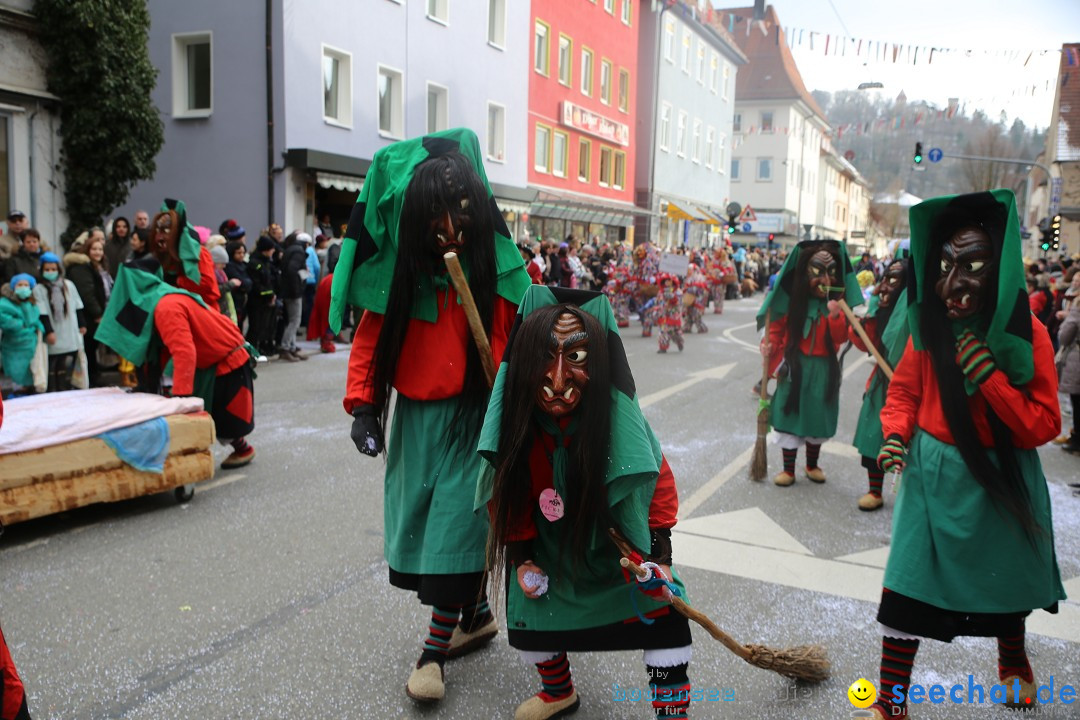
column 369, row 250
column 779, row 298
column 188, row 246
column 634, row 464
column 1007, row 330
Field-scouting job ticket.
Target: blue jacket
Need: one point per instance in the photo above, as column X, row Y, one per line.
column 314, row 267
column 19, row 324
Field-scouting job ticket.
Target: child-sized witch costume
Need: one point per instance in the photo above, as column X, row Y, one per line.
column 570, row 456
column 801, row 345
column 421, row 199
column 886, row 324
column 973, row 397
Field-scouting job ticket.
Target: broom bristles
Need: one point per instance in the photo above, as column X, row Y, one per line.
column 809, row 663
column 759, row 464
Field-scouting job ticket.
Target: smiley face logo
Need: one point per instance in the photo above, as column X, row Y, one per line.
column 862, row 693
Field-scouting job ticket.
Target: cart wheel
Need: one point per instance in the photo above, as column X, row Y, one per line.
column 184, row 493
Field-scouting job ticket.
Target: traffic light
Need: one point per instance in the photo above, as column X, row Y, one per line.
column 771, row 237
column 1055, row 232
column 731, row 223
column 918, row 153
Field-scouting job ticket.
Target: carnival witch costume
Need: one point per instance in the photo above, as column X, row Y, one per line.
column 421, row 199
column 801, row 342
column 972, row 398
column 571, row 455
column 886, row 324
column 185, row 263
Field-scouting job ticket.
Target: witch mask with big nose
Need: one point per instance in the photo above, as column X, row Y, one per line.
column 448, row 228
column 966, row 264
column 566, row 374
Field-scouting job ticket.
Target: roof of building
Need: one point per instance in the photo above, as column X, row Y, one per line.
column 771, row 73
column 1068, row 103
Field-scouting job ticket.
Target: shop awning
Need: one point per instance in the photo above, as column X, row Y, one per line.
column 690, row 213
column 339, row 182
column 577, row 208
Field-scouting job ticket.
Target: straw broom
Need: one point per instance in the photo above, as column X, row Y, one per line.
column 759, row 464
column 809, row 663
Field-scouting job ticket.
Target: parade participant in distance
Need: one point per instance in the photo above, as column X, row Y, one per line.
column 572, row 455
column 801, row 343
column 421, row 199
column 974, row 395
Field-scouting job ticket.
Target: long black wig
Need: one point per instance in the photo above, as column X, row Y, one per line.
column 1004, row 482
column 440, row 184
column 586, row 504
column 799, row 292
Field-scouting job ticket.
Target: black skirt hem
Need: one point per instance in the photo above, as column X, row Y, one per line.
column 916, row 617
column 442, row 590
column 670, row 630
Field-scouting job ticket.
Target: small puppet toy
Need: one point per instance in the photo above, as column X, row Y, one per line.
column 571, row 456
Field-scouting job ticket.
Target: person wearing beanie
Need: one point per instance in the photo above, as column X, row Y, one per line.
column 221, row 258
column 61, row 310
column 264, row 277
column 20, row 324
column 239, row 284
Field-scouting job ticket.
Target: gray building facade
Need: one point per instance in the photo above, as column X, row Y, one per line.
column 686, row 89
column 274, row 110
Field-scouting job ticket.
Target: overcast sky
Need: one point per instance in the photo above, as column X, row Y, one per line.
column 980, row 81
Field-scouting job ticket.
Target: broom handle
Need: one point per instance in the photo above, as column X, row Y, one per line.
column 453, row 265
column 865, row 338
column 696, row 615
column 763, row 393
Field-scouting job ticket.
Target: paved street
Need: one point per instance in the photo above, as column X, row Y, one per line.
column 266, row 596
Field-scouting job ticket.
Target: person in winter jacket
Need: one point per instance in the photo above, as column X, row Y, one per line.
column 19, row 328
column 265, row 277
column 87, row 268
column 239, row 284
column 293, row 267
column 62, row 316
column 1069, row 358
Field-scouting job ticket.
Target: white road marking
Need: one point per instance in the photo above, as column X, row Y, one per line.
column 28, row 545
column 716, row 373
column 736, row 546
column 703, row 493
column 729, row 334
column 226, row 480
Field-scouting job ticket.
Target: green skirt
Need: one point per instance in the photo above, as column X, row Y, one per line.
column 817, row 414
column 868, row 439
column 429, row 524
column 954, row 549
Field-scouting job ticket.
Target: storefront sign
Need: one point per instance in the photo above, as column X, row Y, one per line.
column 589, row 122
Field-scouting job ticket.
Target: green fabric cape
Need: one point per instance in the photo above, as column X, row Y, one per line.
column 1008, row 331
column 369, row 250
column 779, row 298
column 188, row 245
column 128, row 323
column 635, row 455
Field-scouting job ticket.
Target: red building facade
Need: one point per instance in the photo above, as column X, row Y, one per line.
column 582, row 107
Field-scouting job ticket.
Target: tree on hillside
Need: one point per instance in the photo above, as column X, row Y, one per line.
column 100, row 68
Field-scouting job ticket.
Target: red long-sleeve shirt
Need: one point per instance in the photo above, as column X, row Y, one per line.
column 813, row 344
column 196, row 337
column 663, row 511
column 207, row 287
column 431, row 365
column 1031, row 412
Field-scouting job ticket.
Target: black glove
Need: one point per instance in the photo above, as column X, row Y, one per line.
column 366, row 431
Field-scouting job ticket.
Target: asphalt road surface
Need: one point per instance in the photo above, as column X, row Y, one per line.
column 266, row 596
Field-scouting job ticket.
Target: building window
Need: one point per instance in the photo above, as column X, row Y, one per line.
column 721, row 153
column 727, row 79
column 193, row 78
column 665, row 127
column 680, row 135
column 669, row 41
column 619, row 181
column 337, row 86
column 764, row 169
column 391, row 102
column 584, row 160
column 586, row 71
column 626, row 12
column 710, row 141
column 767, row 122
column 734, row 169
column 624, row 90
column 439, row 10
column 497, row 23
column 566, row 59
column 609, row 6
column 438, row 108
column 736, row 122
column 696, row 157
column 560, row 144
column 605, row 166
column 540, row 48
column 605, row 82
column 714, row 71
column 686, row 51
column 496, row 132
column 543, row 149
column 700, row 62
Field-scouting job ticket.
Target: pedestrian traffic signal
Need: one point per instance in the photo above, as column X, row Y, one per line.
column 1055, row 232
column 918, row 153
column 771, row 237
column 731, row 223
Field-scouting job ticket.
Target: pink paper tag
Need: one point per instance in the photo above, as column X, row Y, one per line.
column 551, row 505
